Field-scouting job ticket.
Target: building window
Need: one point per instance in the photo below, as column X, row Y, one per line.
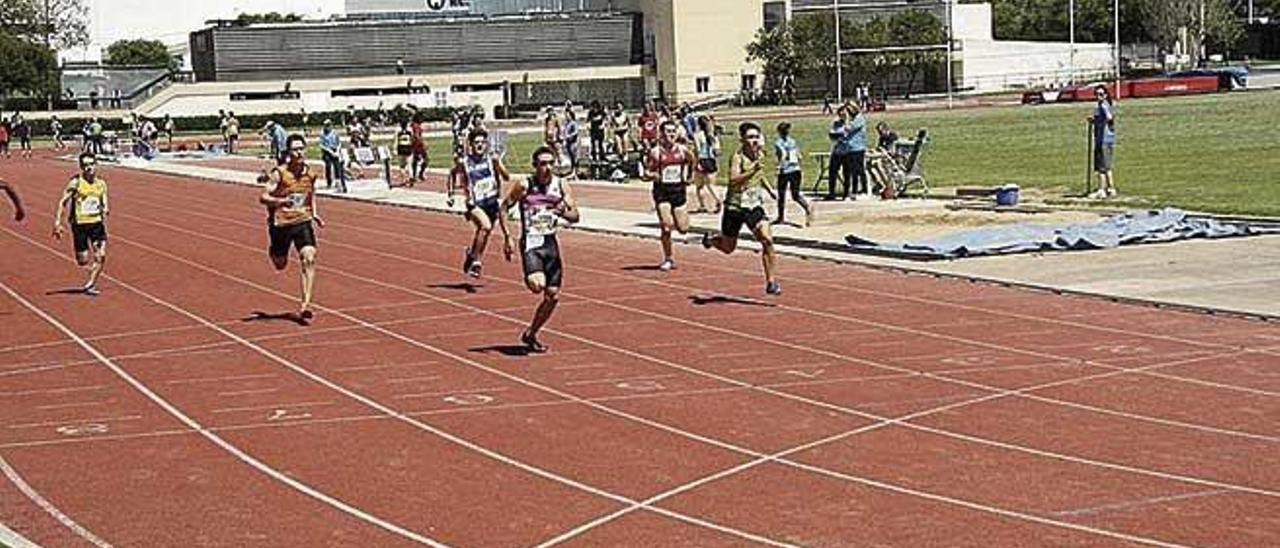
column 775, row 13
column 748, row 82
column 703, row 84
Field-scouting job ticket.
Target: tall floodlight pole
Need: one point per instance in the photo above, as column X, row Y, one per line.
column 1071, row 62
column 835, row 10
column 950, row 53
column 1116, row 24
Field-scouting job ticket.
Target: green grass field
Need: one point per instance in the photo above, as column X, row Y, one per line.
column 1213, row 153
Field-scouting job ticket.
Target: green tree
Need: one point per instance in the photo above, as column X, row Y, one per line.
column 28, row 68
column 140, row 52
column 1168, row 22
column 776, row 52
column 58, row 24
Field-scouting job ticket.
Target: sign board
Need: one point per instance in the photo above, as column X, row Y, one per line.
column 449, row 5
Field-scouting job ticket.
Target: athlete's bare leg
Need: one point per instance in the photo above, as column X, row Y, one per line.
column 307, row 258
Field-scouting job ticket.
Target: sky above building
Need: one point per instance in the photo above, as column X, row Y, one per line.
column 170, row 21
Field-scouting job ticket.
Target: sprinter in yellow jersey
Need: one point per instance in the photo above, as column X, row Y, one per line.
column 291, row 208
column 87, row 194
column 744, row 204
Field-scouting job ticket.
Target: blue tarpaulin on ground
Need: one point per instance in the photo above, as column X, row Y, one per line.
column 1133, row 227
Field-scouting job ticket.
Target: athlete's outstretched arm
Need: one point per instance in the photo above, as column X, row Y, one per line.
column 18, row 212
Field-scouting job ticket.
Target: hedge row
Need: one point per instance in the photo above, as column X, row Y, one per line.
column 249, row 123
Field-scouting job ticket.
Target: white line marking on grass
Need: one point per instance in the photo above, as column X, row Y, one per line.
column 48, row 507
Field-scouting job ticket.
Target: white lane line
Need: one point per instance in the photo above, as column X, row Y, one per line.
column 1138, row 503
column 327, row 343
column 247, row 392
column 402, row 380
column 677, row 366
column 621, row 379
column 222, row 379
column 11, row 538
column 581, row 367
column 50, row 391
column 376, row 367
column 207, row 434
column 729, row 355
column 403, row 417
column 48, row 507
column 68, row 405
column 74, row 421
column 482, row 390
column 273, row 406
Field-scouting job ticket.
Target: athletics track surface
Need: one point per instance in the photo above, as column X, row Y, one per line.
column 862, row 407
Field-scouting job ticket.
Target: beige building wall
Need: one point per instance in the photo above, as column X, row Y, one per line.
column 702, row 39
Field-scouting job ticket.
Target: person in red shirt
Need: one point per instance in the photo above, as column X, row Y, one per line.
column 670, row 166
column 649, row 126
column 419, row 144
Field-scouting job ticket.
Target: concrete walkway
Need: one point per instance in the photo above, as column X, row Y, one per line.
column 1236, row 276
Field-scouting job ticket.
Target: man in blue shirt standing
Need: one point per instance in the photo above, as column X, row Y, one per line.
column 331, row 152
column 277, row 137
column 848, row 152
column 1104, row 142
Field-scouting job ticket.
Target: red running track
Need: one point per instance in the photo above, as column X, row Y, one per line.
column 861, row 407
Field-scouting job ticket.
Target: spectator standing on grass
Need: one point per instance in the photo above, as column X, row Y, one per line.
column 22, row 132
column 790, row 175
column 707, row 146
column 167, row 126
column 848, row 153
column 596, row 119
column 621, row 125
column 278, row 140
column 419, row 143
column 331, row 153
column 55, row 128
column 233, row 132
column 1104, row 141
column 95, row 135
column 571, row 136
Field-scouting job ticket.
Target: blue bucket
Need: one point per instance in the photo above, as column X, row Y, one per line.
column 1007, row 195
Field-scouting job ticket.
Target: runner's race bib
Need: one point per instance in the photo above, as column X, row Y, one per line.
column 297, row 200
column 541, row 224
column 752, row 198
column 673, row 174
column 91, row 205
column 482, row 189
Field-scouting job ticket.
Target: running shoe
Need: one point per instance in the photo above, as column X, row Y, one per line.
column 467, row 260
column 667, row 265
column 1111, row 192
column 306, row 314
column 706, row 240
column 92, row 290
column 476, row 269
column 532, row 343
column 773, row 288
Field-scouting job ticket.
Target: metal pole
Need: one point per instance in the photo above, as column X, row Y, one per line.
column 1071, row 63
column 1116, row 23
column 835, row 9
column 950, row 53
